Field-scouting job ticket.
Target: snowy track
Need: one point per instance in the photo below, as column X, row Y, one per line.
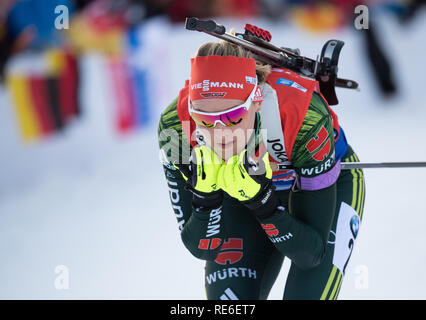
column 98, row 203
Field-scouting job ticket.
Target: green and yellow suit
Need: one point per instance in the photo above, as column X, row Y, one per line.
column 323, row 204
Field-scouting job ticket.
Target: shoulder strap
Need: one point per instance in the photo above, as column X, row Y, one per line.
column 293, row 94
column 273, row 134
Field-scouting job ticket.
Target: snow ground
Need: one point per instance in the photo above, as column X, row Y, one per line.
column 98, row 203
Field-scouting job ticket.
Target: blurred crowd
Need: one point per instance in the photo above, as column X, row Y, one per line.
column 46, row 87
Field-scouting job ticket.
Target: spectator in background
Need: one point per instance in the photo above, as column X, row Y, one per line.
column 40, row 17
column 27, row 24
column 10, row 43
column 331, row 15
column 178, row 10
column 39, row 72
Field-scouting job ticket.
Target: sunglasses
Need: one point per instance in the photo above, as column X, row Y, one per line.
column 229, row 118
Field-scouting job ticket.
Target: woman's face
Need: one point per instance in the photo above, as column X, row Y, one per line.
column 227, row 141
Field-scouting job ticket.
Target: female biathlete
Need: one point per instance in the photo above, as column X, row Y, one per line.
column 252, row 159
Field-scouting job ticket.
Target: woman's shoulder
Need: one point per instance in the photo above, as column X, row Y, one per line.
column 314, row 142
column 169, row 117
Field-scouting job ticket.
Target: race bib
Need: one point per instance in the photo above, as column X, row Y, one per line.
column 345, row 236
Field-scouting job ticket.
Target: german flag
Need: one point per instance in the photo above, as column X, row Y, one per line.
column 39, row 95
column 19, row 88
column 62, row 83
column 45, row 97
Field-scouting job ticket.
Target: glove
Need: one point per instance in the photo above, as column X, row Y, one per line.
column 201, row 177
column 255, row 191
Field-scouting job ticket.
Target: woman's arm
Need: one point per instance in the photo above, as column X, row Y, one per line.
column 202, row 231
column 301, row 230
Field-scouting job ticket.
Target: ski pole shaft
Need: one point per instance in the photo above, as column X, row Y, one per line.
column 362, row 165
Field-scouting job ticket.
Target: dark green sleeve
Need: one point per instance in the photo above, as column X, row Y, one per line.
column 300, row 231
column 202, row 232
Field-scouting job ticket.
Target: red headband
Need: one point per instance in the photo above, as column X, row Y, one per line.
column 223, row 77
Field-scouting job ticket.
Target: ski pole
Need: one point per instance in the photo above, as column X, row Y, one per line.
column 361, row 165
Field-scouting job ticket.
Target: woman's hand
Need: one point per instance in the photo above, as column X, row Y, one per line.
column 201, row 177
column 249, row 181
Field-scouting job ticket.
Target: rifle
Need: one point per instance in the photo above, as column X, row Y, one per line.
column 323, row 69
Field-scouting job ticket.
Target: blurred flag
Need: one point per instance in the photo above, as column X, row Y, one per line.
column 44, row 91
column 124, row 107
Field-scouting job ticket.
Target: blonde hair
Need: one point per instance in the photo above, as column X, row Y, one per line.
column 225, row 48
